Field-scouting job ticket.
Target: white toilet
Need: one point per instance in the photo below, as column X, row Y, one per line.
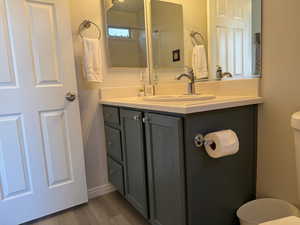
column 275, row 211
column 295, row 122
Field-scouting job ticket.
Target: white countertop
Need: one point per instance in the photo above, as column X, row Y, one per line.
column 220, row 102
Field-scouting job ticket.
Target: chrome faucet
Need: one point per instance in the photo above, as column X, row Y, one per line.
column 220, row 75
column 191, row 84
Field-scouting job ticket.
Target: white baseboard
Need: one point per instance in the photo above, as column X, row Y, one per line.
column 100, row 190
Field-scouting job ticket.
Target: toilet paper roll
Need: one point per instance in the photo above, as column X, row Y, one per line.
column 221, row 144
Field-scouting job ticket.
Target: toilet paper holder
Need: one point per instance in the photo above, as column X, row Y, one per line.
column 201, row 141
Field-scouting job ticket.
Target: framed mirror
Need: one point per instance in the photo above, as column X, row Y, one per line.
column 209, row 37
column 126, row 33
column 214, row 39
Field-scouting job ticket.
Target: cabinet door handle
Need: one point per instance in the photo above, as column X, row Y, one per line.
column 136, row 118
column 146, row 120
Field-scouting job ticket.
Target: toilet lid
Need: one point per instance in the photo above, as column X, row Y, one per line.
column 285, row 221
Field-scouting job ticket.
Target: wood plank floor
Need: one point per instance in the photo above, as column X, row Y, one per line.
column 110, row 209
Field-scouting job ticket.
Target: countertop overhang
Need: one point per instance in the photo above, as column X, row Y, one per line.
column 184, row 107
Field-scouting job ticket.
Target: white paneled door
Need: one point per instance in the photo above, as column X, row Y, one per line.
column 41, row 153
column 230, row 36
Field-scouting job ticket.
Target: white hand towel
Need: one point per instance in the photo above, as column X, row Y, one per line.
column 199, row 62
column 92, row 60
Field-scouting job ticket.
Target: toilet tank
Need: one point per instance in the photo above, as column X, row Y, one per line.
column 295, row 122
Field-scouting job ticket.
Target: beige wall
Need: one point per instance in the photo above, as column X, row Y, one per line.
column 281, row 90
column 91, row 113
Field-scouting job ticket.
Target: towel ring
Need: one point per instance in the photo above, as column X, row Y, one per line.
column 86, row 24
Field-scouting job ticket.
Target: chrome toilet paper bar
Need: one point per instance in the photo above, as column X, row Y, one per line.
column 200, row 141
column 218, row 144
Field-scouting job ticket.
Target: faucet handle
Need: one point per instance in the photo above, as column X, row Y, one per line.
column 219, row 67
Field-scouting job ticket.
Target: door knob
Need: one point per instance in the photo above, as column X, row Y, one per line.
column 71, row 96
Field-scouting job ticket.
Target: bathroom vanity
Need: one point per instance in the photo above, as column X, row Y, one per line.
column 154, row 163
column 153, row 159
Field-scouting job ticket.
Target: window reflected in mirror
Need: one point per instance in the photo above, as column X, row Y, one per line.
column 122, row 33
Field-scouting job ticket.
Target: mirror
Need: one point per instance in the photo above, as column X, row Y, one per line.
column 167, row 35
column 215, row 38
column 126, row 34
column 212, row 38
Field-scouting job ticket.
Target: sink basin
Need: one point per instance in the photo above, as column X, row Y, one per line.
column 178, row 98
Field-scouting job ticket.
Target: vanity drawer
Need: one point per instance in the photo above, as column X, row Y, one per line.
column 113, row 143
column 111, row 115
column 115, row 175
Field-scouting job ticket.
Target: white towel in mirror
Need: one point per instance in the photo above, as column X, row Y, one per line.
column 199, row 62
column 92, row 60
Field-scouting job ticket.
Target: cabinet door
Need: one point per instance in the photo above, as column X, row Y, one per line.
column 164, row 136
column 134, row 160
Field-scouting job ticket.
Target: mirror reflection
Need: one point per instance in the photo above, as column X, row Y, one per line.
column 167, row 35
column 212, row 39
column 126, row 35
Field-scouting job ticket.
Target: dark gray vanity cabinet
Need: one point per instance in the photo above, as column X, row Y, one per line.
column 165, row 169
column 134, row 160
column 154, row 163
